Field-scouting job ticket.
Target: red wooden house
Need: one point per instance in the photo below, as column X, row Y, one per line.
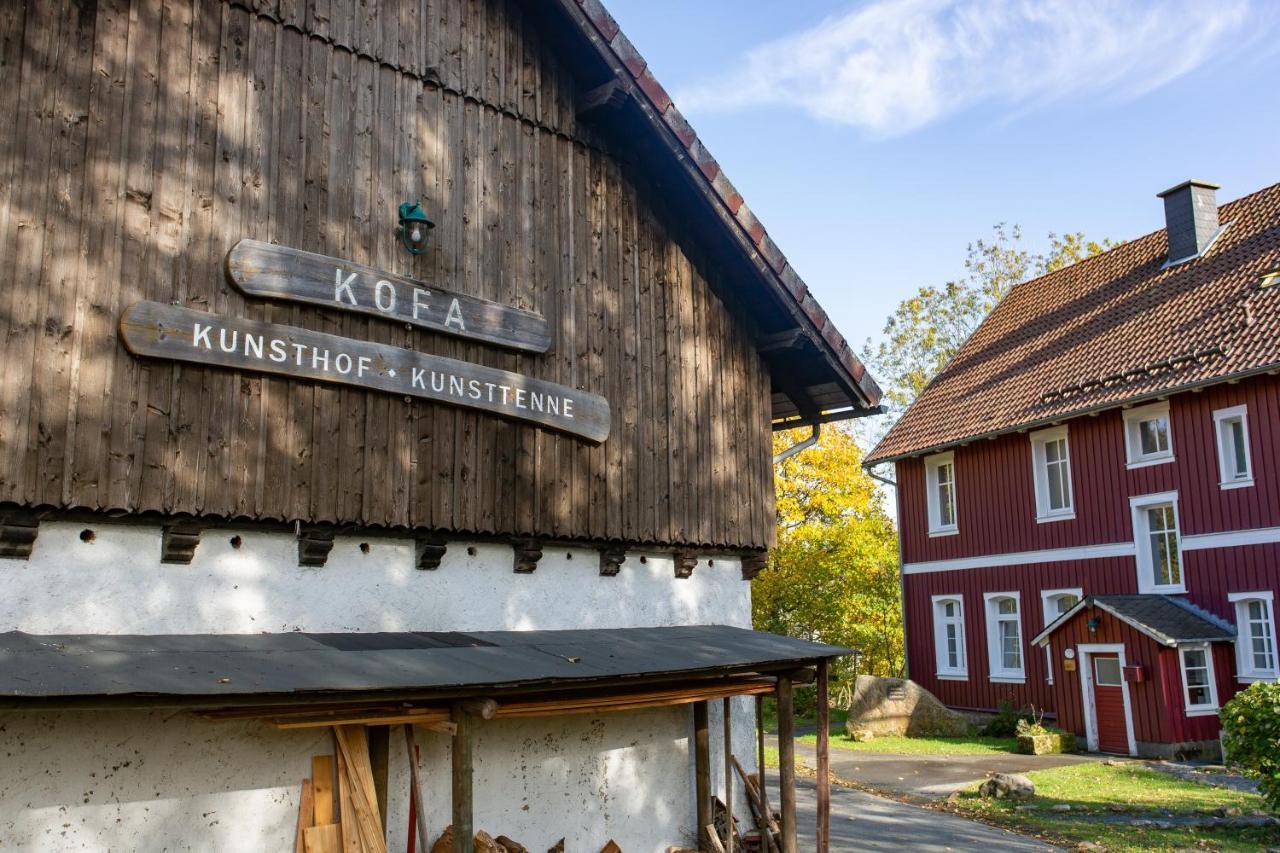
column 1089, row 492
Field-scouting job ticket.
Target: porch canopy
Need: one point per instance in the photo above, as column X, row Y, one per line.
column 1164, row 618
column 446, row 681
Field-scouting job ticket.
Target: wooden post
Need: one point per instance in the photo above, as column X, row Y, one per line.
column 415, row 780
column 728, row 775
column 787, row 762
column 824, row 764
column 702, row 770
column 463, row 831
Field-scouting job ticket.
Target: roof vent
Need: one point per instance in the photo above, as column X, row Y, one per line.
column 1191, row 220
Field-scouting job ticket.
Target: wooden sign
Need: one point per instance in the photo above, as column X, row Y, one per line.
column 278, row 272
column 183, row 334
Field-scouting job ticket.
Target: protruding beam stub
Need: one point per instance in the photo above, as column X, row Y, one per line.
column 611, row 559
column 430, row 552
column 18, row 532
column 314, row 546
column 753, row 563
column 685, row 563
column 608, row 96
column 527, row 553
column 178, row 542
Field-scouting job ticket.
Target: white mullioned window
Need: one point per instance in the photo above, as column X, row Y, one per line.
column 1051, row 472
column 1147, row 437
column 1055, row 602
column 940, row 485
column 948, row 637
column 1231, row 428
column 1004, row 636
column 1155, row 534
column 1256, row 635
column 1199, row 693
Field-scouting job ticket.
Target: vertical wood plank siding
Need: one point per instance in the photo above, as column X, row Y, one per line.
column 996, row 512
column 147, row 138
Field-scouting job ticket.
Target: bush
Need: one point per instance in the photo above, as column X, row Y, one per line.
column 1251, row 737
column 1005, row 722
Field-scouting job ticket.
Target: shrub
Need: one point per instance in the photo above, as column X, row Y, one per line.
column 1251, row 737
column 1005, row 722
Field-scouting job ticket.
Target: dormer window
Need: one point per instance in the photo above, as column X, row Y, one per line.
column 1147, row 437
column 940, row 483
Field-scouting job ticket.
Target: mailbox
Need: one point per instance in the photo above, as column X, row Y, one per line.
column 1135, row 673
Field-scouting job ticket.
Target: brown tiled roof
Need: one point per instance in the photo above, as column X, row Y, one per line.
column 1113, row 329
column 786, row 279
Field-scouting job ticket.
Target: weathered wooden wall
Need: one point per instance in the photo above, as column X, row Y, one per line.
column 147, row 137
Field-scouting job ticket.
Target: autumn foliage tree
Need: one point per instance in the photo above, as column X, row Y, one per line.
column 833, row 576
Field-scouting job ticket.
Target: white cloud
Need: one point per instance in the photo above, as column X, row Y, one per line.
column 892, row 66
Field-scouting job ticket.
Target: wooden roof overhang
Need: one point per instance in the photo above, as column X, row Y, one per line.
column 815, row 375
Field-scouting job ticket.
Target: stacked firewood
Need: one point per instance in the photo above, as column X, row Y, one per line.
column 485, row 843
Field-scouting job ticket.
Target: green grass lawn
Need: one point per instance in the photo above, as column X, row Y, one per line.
column 1092, row 789
column 971, row 745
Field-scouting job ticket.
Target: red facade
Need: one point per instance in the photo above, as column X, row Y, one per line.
column 996, row 515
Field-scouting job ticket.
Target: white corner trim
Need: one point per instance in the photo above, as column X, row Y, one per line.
column 1020, row 558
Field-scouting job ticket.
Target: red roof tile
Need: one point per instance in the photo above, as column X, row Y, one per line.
column 790, row 283
column 1113, row 329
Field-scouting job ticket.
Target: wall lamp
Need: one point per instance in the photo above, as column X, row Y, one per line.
column 414, row 227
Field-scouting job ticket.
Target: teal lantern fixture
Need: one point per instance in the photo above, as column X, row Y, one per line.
column 414, row 227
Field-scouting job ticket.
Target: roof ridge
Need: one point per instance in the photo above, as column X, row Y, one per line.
column 790, row 281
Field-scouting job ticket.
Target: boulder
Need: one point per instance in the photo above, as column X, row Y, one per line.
column 899, row 706
column 1008, row 786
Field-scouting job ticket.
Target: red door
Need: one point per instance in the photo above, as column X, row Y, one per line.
column 1108, row 704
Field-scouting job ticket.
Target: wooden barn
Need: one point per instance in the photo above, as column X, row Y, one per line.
column 372, row 369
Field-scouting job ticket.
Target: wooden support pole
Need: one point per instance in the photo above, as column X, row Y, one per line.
column 787, row 762
column 463, row 830
column 702, row 770
column 728, row 775
column 824, row 762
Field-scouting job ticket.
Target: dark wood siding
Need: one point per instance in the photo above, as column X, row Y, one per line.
column 147, row 138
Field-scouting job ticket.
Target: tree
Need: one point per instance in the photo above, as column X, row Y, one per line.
column 926, row 329
column 833, row 576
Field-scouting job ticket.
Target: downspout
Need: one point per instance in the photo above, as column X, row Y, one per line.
column 779, row 458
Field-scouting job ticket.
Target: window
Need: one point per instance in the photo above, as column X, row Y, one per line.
column 1004, row 637
column 1256, row 643
column 1199, row 692
column 1146, row 435
column 940, row 480
column 1106, row 672
column 948, row 637
column 1051, row 468
column 1056, row 602
column 1155, row 533
column 1232, row 430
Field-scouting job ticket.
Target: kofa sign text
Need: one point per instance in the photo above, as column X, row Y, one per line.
column 278, row 272
column 184, row 334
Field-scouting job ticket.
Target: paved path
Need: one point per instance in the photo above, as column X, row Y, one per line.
column 861, row 821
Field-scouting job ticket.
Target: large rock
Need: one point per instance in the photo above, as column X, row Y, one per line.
column 1008, row 786
column 898, row 706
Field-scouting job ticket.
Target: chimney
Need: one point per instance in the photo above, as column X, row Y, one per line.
column 1191, row 219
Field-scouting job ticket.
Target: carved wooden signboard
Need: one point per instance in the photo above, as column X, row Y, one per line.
column 184, row 334
column 278, row 272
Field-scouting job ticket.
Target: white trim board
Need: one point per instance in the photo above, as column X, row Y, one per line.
column 1231, row 538
column 1018, row 558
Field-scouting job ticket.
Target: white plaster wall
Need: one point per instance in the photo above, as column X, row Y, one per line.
column 626, row 776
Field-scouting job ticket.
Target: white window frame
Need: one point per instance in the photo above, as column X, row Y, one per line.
column 1047, row 599
column 1135, row 458
column 1245, row 671
column 931, row 466
column 1226, row 450
column 995, row 654
column 1040, row 475
column 945, row 672
column 1138, row 507
column 1199, row 710
column 1086, row 652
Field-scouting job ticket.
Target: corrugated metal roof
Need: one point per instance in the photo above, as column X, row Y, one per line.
column 222, row 666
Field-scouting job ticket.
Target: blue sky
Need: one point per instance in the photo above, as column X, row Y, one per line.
column 876, row 139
